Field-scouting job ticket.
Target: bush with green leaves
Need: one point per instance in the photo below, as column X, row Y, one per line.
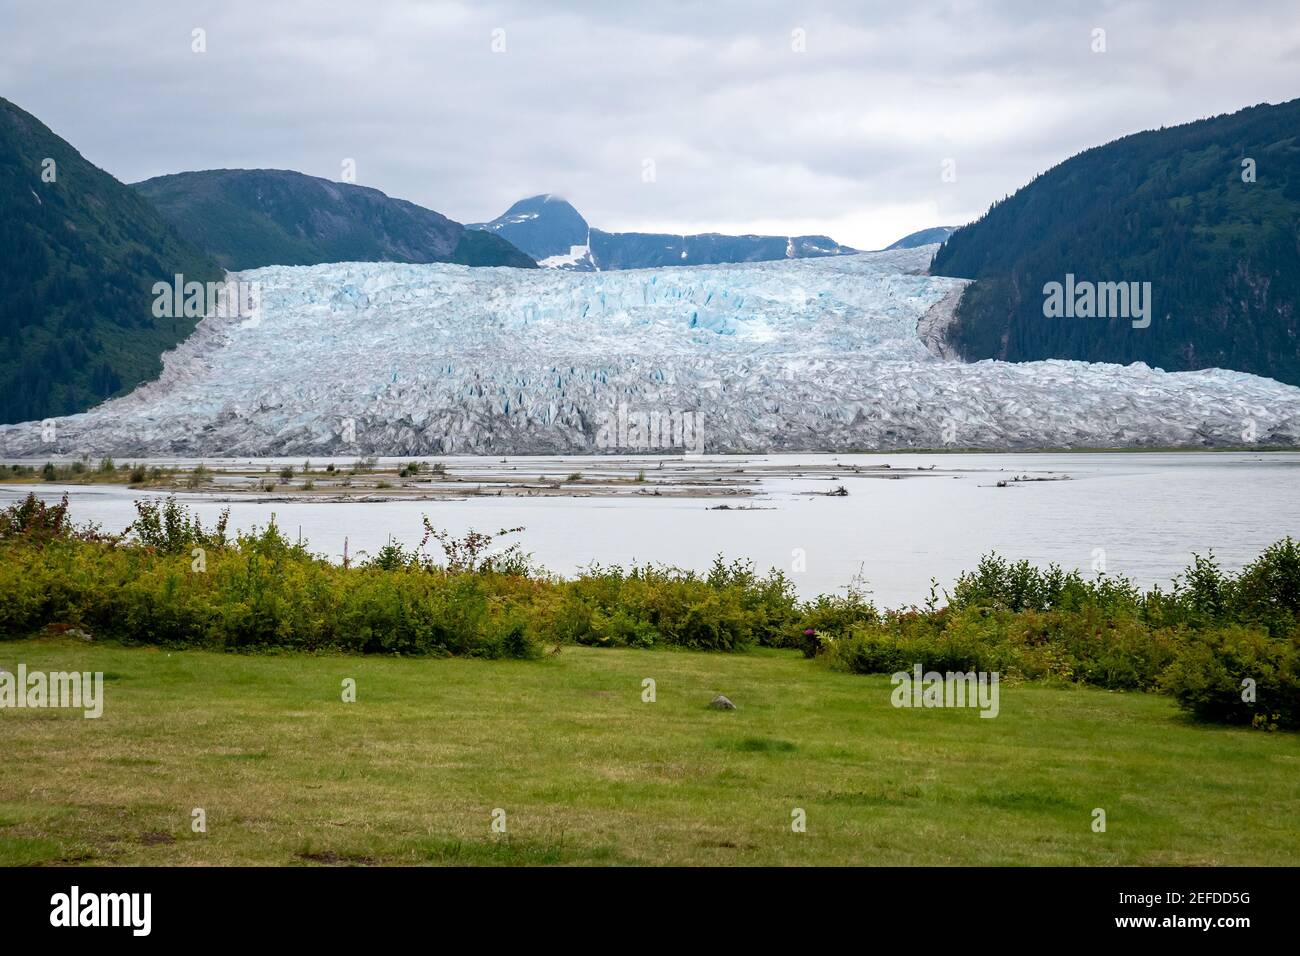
column 169, row 527
column 730, row 608
column 1020, row 586
column 1238, row 674
column 1199, row 641
column 830, row 617
column 35, row 521
column 1226, row 647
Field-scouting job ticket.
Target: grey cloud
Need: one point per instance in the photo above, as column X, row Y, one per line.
column 846, row 138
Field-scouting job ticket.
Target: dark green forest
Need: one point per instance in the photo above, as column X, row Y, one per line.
column 247, row 218
column 78, row 259
column 1169, row 207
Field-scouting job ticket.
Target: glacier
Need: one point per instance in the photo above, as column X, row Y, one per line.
column 824, row 354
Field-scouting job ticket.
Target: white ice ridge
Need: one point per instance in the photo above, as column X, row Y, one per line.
column 795, row 355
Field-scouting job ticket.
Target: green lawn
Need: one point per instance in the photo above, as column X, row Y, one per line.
column 587, row 773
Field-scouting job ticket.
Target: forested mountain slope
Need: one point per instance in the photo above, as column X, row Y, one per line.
column 1208, row 213
column 79, row 254
column 248, row 218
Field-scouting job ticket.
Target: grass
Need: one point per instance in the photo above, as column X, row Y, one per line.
column 589, row 774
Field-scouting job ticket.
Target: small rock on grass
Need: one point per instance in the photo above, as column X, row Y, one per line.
column 721, row 703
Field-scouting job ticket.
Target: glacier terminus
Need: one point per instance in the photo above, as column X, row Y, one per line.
column 839, row 353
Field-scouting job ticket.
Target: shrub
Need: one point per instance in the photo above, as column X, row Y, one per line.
column 1214, row 674
column 169, row 528
column 35, row 520
column 997, row 583
column 392, row 557
column 469, row 554
column 830, row 617
column 1081, row 646
column 1268, row 589
column 32, row 521
column 730, row 609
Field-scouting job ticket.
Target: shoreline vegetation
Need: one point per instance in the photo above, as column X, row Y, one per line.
column 1225, row 647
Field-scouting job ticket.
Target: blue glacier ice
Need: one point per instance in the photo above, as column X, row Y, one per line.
column 830, row 354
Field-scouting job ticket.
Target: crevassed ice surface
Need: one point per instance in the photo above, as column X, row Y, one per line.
column 796, row 355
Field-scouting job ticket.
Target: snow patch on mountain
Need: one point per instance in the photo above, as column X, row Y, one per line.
column 793, row 355
column 577, row 255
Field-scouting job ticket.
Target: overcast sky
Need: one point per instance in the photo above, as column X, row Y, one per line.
column 747, row 133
